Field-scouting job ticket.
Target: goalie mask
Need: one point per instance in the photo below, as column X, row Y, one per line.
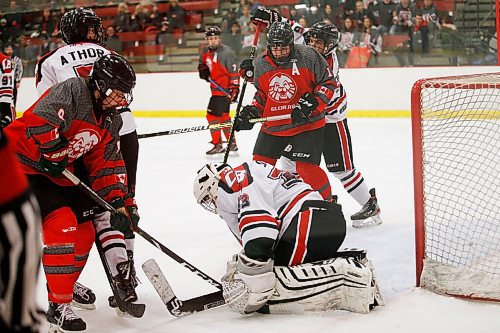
column 323, row 37
column 206, row 184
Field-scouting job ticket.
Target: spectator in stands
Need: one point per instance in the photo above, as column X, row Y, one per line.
column 349, row 37
column 138, row 18
column 403, row 17
column 227, row 20
column 155, row 18
column 430, row 15
column 244, row 19
column 234, row 38
column 248, row 41
column 359, row 14
column 175, row 16
column 164, row 36
column 48, row 24
column 122, row 19
column 5, row 36
column 31, row 53
column 57, row 18
column 349, row 7
column 329, row 14
column 371, row 38
column 384, row 13
column 14, row 16
column 113, row 43
column 418, row 41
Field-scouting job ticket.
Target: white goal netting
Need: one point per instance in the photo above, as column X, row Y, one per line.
column 460, row 129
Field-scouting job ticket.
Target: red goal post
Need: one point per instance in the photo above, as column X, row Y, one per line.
column 456, row 170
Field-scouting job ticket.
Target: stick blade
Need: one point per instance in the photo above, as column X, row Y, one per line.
column 175, row 306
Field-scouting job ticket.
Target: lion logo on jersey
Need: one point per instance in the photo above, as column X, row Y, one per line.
column 282, row 88
column 82, row 142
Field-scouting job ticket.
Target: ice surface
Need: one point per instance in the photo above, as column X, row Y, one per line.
column 167, row 166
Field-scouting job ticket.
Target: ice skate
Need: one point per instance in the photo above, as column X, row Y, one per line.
column 233, row 148
column 369, row 214
column 83, row 297
column 216, row 149
column 125, row 283
column 62, row 318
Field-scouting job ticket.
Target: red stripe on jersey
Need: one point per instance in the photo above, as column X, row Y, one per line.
column 245, row 221
column 358, row 175
column 293, row 202
column 6, row 91
column 345, row 146
column 303, row 226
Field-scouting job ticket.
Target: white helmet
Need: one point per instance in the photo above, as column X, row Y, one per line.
column 206, row 184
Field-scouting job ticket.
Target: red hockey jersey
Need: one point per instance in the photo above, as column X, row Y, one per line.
column 66, row 110
column 280, row 88
column 223, row 69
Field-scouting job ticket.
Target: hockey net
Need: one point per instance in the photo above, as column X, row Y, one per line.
column 456, row 154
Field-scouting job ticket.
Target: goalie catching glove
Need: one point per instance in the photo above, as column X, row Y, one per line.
column 127, row 218
column 265, row 16
column 242, row 120
column 306, row 105
column 248, row 283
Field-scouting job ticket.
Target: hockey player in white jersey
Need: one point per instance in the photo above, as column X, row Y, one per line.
column 85, row 36
column 337, row 149
column 290, row 237
column 7, row 82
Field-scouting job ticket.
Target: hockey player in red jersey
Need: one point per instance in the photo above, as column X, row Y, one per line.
column 284, row 226
column 76, row 123
column 7, row 112
column 337, row 148
column 290, row 80
column 217, row 63
column 20, row 249
column 85, row 36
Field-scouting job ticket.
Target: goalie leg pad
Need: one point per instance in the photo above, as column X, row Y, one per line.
column 248, row 284
column 342, row 283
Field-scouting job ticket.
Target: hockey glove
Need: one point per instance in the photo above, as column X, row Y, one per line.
column 304, row 108
column 5, row 119
column 204, row 73
column 265, row 16
column 246, row 69
column 128, row 217
column 242, row 121
column 54, row 160
column 234, row 94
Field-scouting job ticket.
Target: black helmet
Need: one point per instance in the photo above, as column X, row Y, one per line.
column 111, row 72
column 280, row 34
column 212, row 31
column 75, row 25
column 326, row 32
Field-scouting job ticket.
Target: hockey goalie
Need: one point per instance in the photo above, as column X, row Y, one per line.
column 290, row 261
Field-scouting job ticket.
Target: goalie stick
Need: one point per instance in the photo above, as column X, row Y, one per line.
column 84, row 187
column 206, row 127
column 176, row 306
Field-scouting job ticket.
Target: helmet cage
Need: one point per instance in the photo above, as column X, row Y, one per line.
column 280, row 35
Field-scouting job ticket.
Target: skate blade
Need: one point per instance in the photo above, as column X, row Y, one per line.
column 369, row 222
column 83, row 306
column 122, row 314
column 54, row 328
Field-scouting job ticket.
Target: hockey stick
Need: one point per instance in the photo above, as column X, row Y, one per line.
column 175, row 306
column 103, row 203
column 243, row 88
column 228, row 95
column 206, row 127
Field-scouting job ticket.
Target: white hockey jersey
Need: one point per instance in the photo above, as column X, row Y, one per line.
column 73, row 60
column 336, row 110
column 6, row 80
column 256, row 200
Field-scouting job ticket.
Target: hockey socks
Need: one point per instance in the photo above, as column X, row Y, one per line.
column 315, row 177
column 354, row 184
